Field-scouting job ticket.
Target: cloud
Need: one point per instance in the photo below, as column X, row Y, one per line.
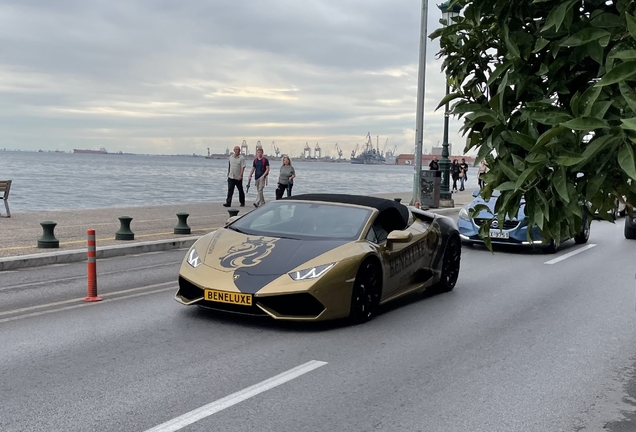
column 177, row 77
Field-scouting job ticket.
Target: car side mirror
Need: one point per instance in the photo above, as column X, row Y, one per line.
column 230, row 220
column 398, row 236
column 475, row 193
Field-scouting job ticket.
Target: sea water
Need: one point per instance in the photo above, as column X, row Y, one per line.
column 55, row 181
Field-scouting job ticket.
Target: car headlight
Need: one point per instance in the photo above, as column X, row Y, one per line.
column 463, row 214
column 311, row 273
column 193, row 258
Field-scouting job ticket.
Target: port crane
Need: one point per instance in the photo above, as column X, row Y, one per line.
column 276, row 149
column 355, row 150
column 317, row 151
column 307, row 151
column 339, row 150
column 245, row 150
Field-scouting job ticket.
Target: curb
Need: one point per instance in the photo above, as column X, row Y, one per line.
column 78, row 255
column 64, row 257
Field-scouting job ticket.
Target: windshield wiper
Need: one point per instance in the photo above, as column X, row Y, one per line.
column 235, row 229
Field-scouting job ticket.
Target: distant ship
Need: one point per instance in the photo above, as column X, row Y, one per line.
column 101, row 150
column 369, row 155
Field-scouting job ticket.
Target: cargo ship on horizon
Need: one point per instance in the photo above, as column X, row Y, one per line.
column 101, row 150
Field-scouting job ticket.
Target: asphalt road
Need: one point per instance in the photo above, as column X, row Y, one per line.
column 519, row 345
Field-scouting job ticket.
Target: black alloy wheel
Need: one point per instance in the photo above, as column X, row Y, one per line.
column 450, row 265
column 630, row 228
column 584, row 235
column 367, row 289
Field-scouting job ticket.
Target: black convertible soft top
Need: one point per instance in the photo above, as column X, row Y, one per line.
column 393, row 216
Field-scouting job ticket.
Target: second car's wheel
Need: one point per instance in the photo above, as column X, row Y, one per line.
column 630, row 228
column 550, row 248
column 584, row 235
column 450, row 265
column 367, row 289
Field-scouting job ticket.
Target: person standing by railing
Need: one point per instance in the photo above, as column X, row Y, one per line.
column 286, row 178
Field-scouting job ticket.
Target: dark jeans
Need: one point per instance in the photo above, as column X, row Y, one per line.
column 230, row 191
column 280, row 190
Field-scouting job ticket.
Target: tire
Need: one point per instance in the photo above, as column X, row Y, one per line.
column 550, row 248
column 583, row 236
column 367, row 289
column 450, row 265
column 630, row 229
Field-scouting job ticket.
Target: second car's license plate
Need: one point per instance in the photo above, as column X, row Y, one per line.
column 227, row 297
column 499, row 234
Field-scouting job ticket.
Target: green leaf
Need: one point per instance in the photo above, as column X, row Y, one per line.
column 631, row 24
column 629, row 123
column 626, row 160
column 606, row 20
column 600, row 108
column 585, row 124
column 619, row 73
column 543, row 69
column 595, row 146
column 595, row 51
column 498, row 71
column 506, row 186
column 466, row 108
column 629, row 95
column 588, row 98
column 585, row 36
column 624, row 55
column 508, row 170
column 449, row 97
column 524, row 176
column 555, row 17
column 539, row 45
column 522, row 140
column 568, row 161
column 560, row 184
column 549, row 135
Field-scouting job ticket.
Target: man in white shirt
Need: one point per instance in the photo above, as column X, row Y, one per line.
column 235, row 169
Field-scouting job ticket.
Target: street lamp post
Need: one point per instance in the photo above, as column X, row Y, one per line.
column 445, row 163
column 419, row 120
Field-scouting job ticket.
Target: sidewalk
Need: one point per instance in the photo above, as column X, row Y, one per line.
column 152, row 225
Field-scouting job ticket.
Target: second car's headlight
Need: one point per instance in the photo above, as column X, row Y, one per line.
column 311, row 273
column 193, row 258
column 463, row 214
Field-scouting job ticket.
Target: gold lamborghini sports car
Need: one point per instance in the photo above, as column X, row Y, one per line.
column 320, row 256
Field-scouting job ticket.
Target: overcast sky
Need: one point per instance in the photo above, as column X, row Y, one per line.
column 166, row 76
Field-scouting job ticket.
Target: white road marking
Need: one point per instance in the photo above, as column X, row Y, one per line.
column 235, row 398
column 570, row 254
column 106, row 298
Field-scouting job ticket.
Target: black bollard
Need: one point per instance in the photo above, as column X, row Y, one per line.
column 233, row 212
column 124, row 232
column 48, row 240
column 182, row 226
column 397, row 200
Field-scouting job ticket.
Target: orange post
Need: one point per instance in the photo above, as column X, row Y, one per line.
column 92, row 269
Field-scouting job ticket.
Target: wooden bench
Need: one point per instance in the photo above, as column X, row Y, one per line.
column 5, row 187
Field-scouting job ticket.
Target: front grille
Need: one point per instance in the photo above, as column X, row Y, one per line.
column 507, row 224
column 300, row 304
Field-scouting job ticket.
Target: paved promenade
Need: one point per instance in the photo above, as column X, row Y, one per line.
column 152, row 225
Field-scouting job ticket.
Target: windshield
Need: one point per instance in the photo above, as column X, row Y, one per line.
column 304, row 220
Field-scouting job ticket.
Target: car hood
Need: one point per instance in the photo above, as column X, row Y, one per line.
column 258, row 260
column 491, row 206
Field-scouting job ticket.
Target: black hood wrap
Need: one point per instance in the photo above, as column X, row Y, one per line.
column 285, row 256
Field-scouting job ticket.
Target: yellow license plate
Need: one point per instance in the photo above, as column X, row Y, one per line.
column 227, row 297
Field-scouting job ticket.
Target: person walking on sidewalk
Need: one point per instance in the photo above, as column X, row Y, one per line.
column 455, row 171
column 235, row 171
column 286, row 178
column 464, row 166
column 483, row 169
column 260, row 170
column 433, row 165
